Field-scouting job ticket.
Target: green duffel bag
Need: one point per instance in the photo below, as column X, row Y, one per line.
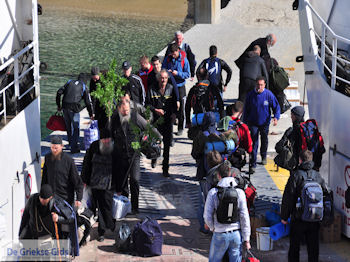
column 279, row 77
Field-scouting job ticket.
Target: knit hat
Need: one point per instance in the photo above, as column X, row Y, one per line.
column 95, row 70
column 298, row 112
column 105, row 133
column 56, row 140
column 46, row 191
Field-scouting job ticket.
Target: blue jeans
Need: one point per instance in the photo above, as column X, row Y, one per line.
column 203, row 192
column 72, row 121
column 254, row 132
column 228, row 241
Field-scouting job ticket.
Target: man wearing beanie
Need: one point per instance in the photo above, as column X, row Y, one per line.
column 61, row 174
column 97, row 174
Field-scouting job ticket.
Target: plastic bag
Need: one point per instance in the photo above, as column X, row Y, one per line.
column 123, row 238
column 91, row 134
column 121, row 206
column 87, row 200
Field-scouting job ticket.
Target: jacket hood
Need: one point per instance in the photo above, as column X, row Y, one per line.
column 307, row 165
column 209, row 122
column 251, row 54
column 226, row 182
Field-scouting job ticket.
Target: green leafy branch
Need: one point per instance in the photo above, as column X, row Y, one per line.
column 109, row 90
column 145, row 138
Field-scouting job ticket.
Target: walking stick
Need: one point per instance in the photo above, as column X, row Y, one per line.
column 58, row 242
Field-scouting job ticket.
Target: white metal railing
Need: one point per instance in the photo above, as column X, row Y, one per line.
column 326, row 30
column 14, row 60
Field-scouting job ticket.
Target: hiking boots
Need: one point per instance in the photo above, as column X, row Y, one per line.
column 179, row 133
column 264, row 161
column 251, row 170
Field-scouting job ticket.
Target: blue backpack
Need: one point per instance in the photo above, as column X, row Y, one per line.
column 147, row 238
column 214, row 70
column 311, row 199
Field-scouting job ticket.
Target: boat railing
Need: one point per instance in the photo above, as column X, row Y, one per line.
column 327, row 32
column 16, row 82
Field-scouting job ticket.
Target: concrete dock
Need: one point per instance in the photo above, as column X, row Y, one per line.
column 174, row 201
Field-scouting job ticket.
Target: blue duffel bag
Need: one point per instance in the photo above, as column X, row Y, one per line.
column 147, row 238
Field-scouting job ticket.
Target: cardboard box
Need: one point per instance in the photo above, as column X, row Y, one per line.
column 256, row 222
column 332, row 233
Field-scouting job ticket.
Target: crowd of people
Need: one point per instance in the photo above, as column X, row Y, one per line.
column 111, row 165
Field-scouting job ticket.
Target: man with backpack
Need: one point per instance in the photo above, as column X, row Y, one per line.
column 235, row 111
column 73, row 92
column 252, row 66
column 177, row 64
column 179, row 41
column 214, row 66
column 303, row 202
column 201, row 97
column 226, row 214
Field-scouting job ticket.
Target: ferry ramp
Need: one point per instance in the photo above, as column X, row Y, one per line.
column 174, row 201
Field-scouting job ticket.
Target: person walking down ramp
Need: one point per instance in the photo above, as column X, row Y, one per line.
column 73, row 92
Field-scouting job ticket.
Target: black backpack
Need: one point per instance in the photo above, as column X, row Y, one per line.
column 284, row 148
column 227, row 211
column 202, row 100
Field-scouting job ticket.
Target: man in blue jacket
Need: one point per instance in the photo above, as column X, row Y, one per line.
column 177, row 64
column 257, row 114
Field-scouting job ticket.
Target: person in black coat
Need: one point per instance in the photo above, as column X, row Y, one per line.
column 61, row 174
column 97, row 174
column 265, row 43
column 252, row 67
column 298, row 228
column 126, row 161
column 162, row 101
column 39, row 215
column 73, row 92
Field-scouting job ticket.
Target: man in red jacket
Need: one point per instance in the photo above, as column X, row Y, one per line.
column 145, row 70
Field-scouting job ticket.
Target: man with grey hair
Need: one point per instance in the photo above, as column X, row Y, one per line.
column 126, row 161
column 178, row 40
column 264, row 43
column 162, row 100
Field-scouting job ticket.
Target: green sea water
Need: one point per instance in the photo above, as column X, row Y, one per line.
column 72, row 42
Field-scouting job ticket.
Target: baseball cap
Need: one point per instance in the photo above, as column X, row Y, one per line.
column 126, row 65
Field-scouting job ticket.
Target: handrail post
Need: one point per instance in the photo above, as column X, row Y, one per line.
column 16, row 81
column 323, row 48
column 4, row 105
column 334, row 63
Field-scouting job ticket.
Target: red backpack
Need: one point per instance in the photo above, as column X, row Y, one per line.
column 182, row 56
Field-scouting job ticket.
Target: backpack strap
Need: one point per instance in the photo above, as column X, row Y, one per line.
column 183, row 56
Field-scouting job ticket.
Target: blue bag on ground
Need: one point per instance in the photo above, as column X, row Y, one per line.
column 91, row 134
column 147, row 238
column 279, row 230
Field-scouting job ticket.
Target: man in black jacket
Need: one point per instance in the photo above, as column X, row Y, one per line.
column 61, row 174
column 298, row 227
column 97, row 174
column 73, row 92
column 265, row 43
column 126, row 161
column 162, row 100
column 100, row 113
column 252, row 66
column 135, row 85
column 214, row 66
